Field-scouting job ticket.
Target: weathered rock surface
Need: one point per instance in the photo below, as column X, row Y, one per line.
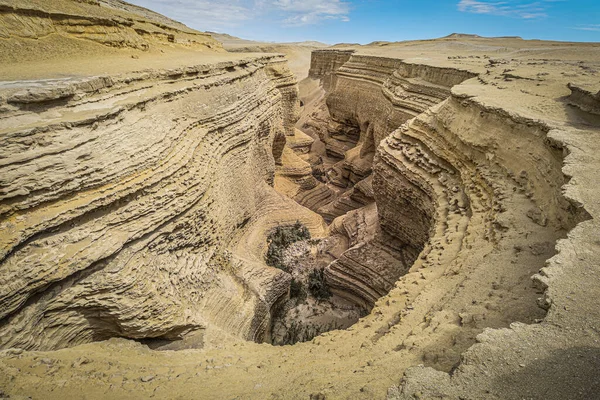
column 585, row 97
column 107, row 22
column 121, row 195
column 136, row 205
column 100, row 212
column 368, row 98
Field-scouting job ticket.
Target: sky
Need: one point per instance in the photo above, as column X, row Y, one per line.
column 365, row 21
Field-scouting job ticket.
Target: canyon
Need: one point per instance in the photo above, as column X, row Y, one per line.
column 449, row 188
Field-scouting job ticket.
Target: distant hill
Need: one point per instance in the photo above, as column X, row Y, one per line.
column 298, row 53
column 461, row 36
column 232, row 42
column 473, row 36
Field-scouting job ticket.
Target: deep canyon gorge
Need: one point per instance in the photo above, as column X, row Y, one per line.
column 445, row 191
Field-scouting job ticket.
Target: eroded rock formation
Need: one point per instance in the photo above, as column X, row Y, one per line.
column 367, row 99
column 100, row 211
column 121, row 195
column 137, row 204
column 107, row 22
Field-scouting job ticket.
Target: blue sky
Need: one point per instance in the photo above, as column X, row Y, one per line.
column 364, row 21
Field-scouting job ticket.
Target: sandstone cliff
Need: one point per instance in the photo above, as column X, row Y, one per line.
column 137, row 205
column 122, row 195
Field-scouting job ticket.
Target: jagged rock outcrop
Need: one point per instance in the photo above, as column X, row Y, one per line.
column 585, row 97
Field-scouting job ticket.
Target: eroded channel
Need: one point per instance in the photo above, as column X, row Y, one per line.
column 402, row 192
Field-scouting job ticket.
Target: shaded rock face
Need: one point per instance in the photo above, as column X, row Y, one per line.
column 367, row 98
column 325, row 63
column 585, row 97
column 120, row 197
column 394, row 126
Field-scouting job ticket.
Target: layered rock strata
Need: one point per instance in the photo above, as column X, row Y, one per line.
column 530, row 154
column 585, row 97
column 484, row 179
column 89, row 208
column 368, row 98
column 107, row 22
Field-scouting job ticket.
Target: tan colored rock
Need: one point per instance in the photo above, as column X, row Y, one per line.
column 137, row 205
column 121, row 195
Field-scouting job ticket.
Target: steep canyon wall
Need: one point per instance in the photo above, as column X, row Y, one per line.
column 119, row 201
column 461, row 188
column 136, row 205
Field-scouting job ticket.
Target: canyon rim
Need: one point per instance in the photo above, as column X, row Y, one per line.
column 192, row 215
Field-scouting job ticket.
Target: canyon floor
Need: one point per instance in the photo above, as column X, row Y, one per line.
column 450, row 188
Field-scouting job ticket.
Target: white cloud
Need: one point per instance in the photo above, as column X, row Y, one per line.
column 218, row 14
column 202, row 13
column 594, row 28
column 515, row 9
column 305, row 12
column 329, row 7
